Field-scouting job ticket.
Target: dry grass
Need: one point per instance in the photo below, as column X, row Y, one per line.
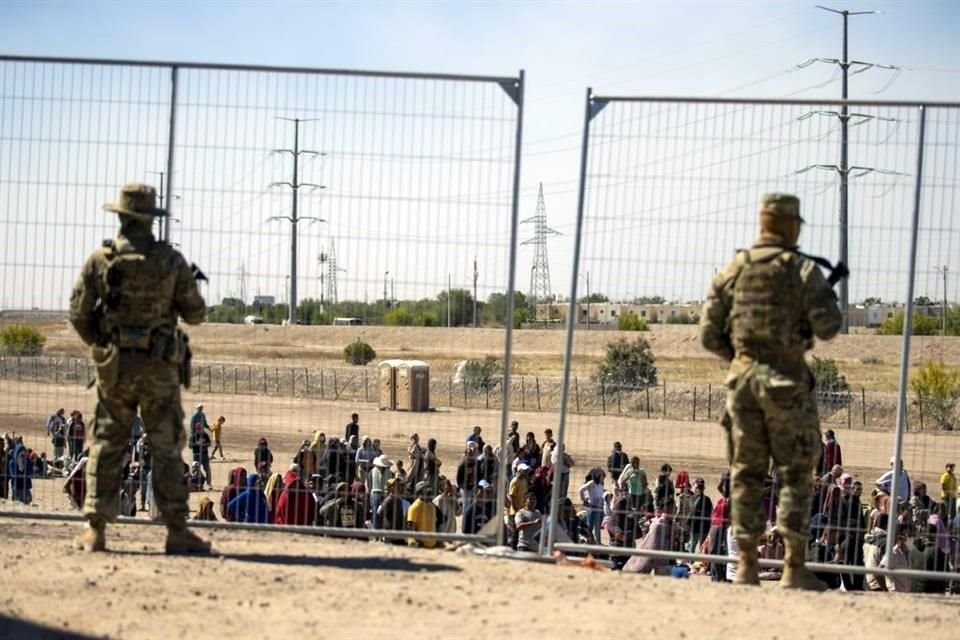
column 867, row 360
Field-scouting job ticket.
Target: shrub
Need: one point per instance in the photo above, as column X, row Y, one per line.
column 937, row 388
column 632, row 322
column 922, row 325
column 481, row 375
column 21, row 340
column 827, row 376
column 359, row 352
column 683, row 318
column 627, row 365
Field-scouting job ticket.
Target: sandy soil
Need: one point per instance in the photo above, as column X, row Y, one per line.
column 697, row 447
column 278, row 585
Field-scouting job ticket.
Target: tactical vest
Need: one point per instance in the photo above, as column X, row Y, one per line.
column 138, row 290
column 767, row 315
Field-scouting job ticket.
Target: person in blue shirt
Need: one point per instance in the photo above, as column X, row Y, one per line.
column 198, row 421
column 250, row 505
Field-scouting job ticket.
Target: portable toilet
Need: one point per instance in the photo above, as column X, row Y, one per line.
column 387, row 384
column 413, row 386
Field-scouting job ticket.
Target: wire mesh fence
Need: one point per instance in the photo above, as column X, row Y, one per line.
column 303, row 194
column 669, row 192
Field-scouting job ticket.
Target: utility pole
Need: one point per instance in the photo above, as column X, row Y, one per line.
column 294, row 219
column 843, row 169
column 449, row 289
column 588, row 299
column 475, row 276
column 943, row 324
column 386, row 302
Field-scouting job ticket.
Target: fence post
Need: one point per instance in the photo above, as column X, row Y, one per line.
column 487, row 399
column 576, row 391
column 321, row 384
column 709, row 402
column 849, row 409
column 235, row 385
column 537, row 380
column 464, row 394
column 863, row 407
column 336, row 394
column 694, row 403
column 603, row 398
column 366, row 386
column 210, row 379
column 647, row 389
column 523, row 395
column 450, row 391
column 619, row 393
column 293, row 382
column 18, row 368
column 664, row 398
column 264, row 381
column 920, row 403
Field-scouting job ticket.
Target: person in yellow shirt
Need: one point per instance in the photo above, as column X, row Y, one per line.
column 948, row 490
column 216, row 430
column 422, row 516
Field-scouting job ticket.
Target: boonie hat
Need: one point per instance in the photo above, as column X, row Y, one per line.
column 781, row 205
column 138, row 200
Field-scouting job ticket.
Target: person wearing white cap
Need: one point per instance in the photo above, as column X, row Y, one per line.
column 904, row 490
column 198, row 421
column 379, row 474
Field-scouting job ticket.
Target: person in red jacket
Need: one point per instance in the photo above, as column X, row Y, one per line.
column 296, row 505
column 830, row 455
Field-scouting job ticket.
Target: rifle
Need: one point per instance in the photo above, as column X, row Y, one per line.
column 837, row 271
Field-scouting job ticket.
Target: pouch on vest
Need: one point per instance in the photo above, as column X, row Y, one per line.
column 107, row 362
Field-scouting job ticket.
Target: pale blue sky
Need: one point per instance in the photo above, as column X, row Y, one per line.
column 648, row 48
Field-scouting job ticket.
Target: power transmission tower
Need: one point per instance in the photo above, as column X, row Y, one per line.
column 843, row 169
column 243, row 283
column 540, row 271
column 294, row 219
column 328, row 275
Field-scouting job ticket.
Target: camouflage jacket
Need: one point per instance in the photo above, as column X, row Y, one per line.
column 808, row 308
column 133, row 284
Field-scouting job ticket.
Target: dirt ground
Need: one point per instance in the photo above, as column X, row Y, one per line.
column 697, row 447
column 278, row 585
column 868, row 361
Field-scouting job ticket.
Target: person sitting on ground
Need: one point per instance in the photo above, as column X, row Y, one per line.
column 481, row 511
column 448, row 506
column 262, row 458
column 771, row 548
column 899, row 558
column 339, row 510
column 926, row 555
column 527, row 522
column 658, row 538
column 422, row 516
column 391, row 515
column 236, row 484
column 250, row 505
column 205, row 510
column 272, row 491
column 195, row 478
column 295, row 506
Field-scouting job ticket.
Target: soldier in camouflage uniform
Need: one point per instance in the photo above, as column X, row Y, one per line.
column 761, row 315
column 125, row 305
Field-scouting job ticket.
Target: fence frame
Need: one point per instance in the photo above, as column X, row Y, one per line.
column 513, row 86
column 593, row 105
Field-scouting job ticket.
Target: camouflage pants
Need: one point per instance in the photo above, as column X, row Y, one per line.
column 774, row 417
column 154, row 387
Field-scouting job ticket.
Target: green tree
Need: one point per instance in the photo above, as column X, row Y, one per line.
column 495, row 309
column 649, row 300
column 632, row 322
column 627, row 365
column 461, row 307
column 827, row 375
column 922, row 325
column 399, row 318
column 594, row 298
column 481, row 375
column 871, row 301
column 682, row 318
column 937, row 389
column 923, row 301
column 21, row 340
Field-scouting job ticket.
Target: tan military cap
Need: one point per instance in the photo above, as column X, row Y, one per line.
column 781, row 205
column 138, row 200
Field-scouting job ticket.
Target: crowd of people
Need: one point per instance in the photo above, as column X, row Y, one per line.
column 351, row 482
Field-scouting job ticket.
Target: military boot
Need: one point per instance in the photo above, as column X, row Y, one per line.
column 181, row 540
column 795, row 575
column 748, row 567
column 93, row 537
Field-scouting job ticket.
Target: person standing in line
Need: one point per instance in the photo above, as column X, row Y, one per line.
column 125, row 306
column 76, row 435
column 199, row 420
column 353, row 428
column 762, row 313
column 57, row 430
column 217, row 431
column 948, row 490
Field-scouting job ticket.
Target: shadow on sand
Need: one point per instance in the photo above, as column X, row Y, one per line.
column 11, row 628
